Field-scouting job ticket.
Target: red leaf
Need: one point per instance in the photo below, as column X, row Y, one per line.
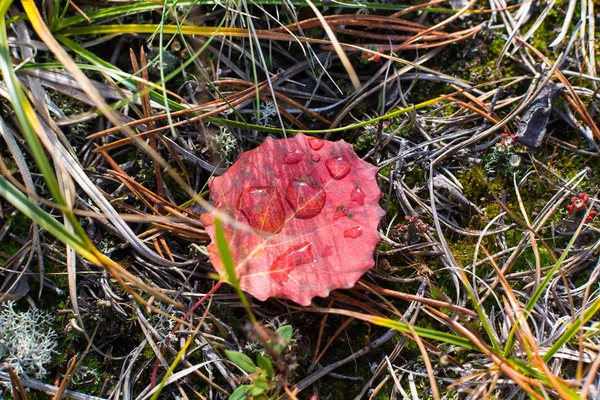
column 312, row 210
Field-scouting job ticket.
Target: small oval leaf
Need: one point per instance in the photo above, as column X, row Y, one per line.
column 286, row 332
column 265, row 364
column 261, row 383
column 240, row 393
column 241, row 360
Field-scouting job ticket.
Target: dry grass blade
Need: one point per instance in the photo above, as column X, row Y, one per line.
column 573, row 97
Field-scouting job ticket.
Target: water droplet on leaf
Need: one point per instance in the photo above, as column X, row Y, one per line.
column 353, row 233
column 338, row 167
column 306, row 196
column 357, row 195
column 263, row 208
column 293, row 157
column 343, row 211
column 316, row 158
column 327, row 251
column 290, row 260
column 316, row 144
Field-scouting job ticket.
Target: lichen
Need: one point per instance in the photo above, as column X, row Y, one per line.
column 27, row 341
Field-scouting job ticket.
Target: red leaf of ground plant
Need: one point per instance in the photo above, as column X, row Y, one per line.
column 309, row 212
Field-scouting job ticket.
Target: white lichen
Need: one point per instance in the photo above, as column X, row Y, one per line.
column 268, row 110
column 27, row 341
column 164, row 325
column 226, row 145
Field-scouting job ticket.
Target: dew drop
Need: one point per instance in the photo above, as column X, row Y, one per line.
column 293, row 157
column 353, row 233
column 338, row 167
column 277, row 173
column 263, row 208
column 316, row 144
column 290, row 260
column 342, row 211
column 327, row 251
column 358, row 195
column 316, row 158
column 306, row 196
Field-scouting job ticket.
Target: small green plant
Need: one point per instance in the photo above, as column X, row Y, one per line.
column 367, row 57
column 409, row 232
column 266, row 383
column 577, row 207
column 367, row 140
column 502, row 161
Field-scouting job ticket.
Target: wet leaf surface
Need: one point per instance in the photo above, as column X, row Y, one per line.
column 306, row 213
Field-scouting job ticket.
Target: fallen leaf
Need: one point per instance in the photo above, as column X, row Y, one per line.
column 306, row 213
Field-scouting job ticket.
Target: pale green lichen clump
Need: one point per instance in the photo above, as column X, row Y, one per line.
column 27, row 341
column 226, row 144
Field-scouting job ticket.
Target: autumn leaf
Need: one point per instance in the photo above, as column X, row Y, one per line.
column 306, row 213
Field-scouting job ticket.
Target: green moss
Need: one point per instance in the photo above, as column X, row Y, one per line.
column 353, row 339
column 462, row 248
column 393, row 207
column 384, row 246
column 476, row 188
column 9, row 247
column 526, row 260
column 386, row 171
column 428, row 91
column 365, row 141
column 414, row 177
column 20, row 224
column 496, row 47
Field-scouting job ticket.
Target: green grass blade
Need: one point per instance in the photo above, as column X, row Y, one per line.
column 591, row 311
column 227, row 260
column 26, row 115
column 42, row 218
column 147, row 6
column 129, row 80
column 541, row 288
column 175, row 362
column 30, row 125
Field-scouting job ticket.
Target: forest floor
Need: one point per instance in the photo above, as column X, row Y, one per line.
column 481, row 118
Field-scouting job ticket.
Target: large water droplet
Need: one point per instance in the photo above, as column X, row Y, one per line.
column 338, row 167
column 358, row 195
column 263, row 208
column 293, row 157
column 316, row 144
column 353, row 233
column 316, row 158
column 290, row 260
column 306, row 196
